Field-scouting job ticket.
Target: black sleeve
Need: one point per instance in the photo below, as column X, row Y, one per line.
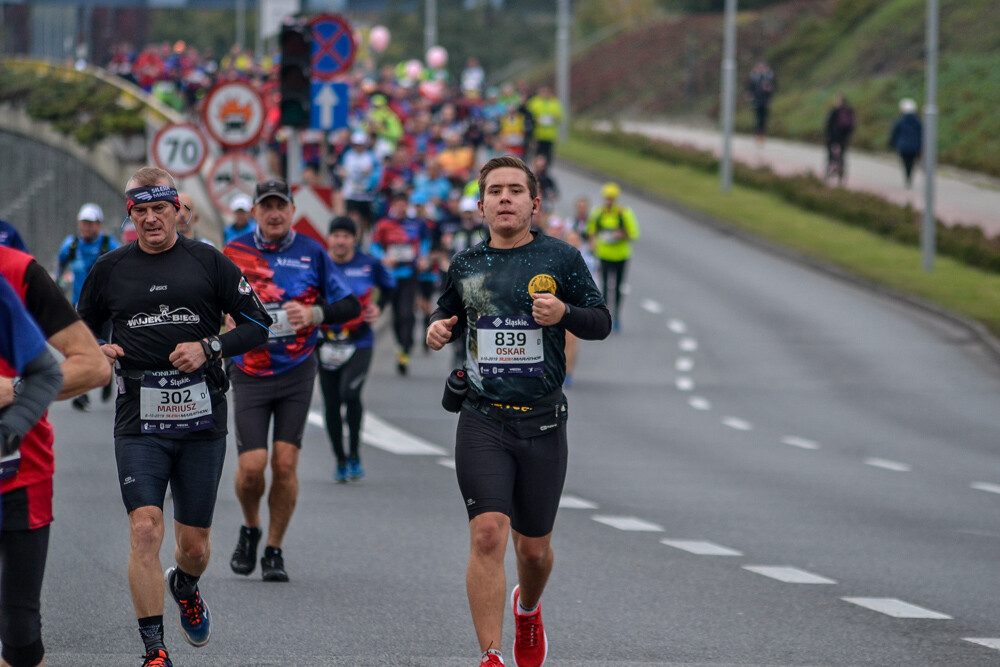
column 588, row 323
column 40, row 384
column 45, row 301
column 93, row 311
column 341, row 311
column 450, row 304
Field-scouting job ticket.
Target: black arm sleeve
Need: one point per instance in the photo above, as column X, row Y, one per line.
column 45, row 301
column 246, row 336
column 341, row 311
column 588, row 323
column 458, row 330
column 40, row 384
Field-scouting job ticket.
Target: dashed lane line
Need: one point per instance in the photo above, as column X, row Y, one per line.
column 701, row 547
column 628, row 523
column 801, row 443
column 677, row 326
column 684, row 364
column 569, row 501
column 986, row 486
column 789, row 575
column 896, row 608
column 688, row 344
column 737, row 424
column 651, row 306
column 684, row 383
column 988, row 642
column 699, row 403
column 886, row 464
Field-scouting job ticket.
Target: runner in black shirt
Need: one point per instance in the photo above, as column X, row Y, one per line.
column 516, row 294
column 165, row 296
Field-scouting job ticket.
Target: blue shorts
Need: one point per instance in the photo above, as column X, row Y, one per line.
column 193, row 468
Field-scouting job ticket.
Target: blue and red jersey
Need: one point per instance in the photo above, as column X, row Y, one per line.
column 403, row 241
column 364, row 274
column 302, row 272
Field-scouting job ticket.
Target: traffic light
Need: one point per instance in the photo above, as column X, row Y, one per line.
column 296, row 68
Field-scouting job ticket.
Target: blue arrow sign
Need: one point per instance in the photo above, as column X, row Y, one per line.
column 330, row 102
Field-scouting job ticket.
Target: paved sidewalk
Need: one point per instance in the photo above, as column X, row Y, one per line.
column 961, row 197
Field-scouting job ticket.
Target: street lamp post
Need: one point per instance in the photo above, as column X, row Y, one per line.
column 430, row 24
column 728, row 95
column 927, row 235
column 562, row 64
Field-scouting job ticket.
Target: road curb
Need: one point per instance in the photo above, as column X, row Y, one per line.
column 976, row 329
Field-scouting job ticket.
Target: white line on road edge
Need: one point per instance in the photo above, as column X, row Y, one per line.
column 684, row 383
column 688, row 344
column 895, row 608
column 801, row 443
column 701, row 547
column 988, row 642
column 384, row 436
column 738, row 424
column 684, row 364
column 447, row 463
column 651, row 306
column 572, row 502
column 886, row 464
column 628, row 523
column 986, row 486
column 677, row 326
column 789, row 575
column 699, row 403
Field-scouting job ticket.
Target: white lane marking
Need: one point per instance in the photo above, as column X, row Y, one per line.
column 569, row 501
column 684, row 383
column 628, row 523
column 651, row 306
column 684, row 364
column 738, row 424
column 895, row 608
column 986, row 486
column 796, row 441
column 988, row 642
column 699, row 403
column 789, row 575
column 701, row 547
column 886, row 464
column 677, row 326
column 688, row 344
column 382, row 435
column 447, row 463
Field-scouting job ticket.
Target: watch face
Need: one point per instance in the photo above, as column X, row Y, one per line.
column 216, row 346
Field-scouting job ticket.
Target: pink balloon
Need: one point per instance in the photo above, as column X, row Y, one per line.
column 379, row 38
column 414, row 69
column 437, row 57
column 431, row 90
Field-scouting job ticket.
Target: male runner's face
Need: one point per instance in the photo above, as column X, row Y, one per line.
column 155, row 223
column 274, row 217
column 341, row 244
column 187, row 217
column 507, row 204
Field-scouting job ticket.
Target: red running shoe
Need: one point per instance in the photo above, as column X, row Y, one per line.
column 491, row 660
column 530, row 643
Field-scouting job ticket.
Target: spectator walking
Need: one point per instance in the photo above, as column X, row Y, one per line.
column 761, row 86
column 907, row 138
column 839, row 127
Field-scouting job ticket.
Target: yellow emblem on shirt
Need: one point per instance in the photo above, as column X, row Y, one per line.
column 542, row 283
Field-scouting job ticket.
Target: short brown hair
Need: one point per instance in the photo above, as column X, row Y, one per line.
column 151, row 176
column 508, row 161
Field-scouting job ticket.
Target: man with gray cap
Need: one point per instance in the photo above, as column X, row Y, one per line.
column 77, row 255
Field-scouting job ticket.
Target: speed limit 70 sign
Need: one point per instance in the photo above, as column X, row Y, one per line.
column 180, row 149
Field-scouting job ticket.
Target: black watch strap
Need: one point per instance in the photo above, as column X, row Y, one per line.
column 206, row 349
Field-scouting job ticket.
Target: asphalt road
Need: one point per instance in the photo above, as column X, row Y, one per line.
column 762, row 455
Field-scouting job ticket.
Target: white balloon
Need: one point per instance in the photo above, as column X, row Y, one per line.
column 437, row 57
column 379, row 38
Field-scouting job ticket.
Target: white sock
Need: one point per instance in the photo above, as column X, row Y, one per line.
column 526, row 612
column 494, row 652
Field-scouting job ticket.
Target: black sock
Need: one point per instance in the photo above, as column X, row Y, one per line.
column 184, row 584
column 151, row 631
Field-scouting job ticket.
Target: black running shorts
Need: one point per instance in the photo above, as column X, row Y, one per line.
column 286, row 397
column 193, row 468
column 499, row 472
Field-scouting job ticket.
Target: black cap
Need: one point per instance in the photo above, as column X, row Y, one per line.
column 274, row 188
column 343, row 223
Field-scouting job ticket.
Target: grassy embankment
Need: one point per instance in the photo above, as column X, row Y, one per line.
column 952, row 285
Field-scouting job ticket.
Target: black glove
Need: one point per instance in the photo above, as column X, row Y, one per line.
column 10, row 442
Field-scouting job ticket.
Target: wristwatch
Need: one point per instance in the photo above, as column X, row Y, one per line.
column 216, row 346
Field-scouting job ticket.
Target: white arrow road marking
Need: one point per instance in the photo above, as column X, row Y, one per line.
column 895, row 608
column 384, row 436
column 789, row 575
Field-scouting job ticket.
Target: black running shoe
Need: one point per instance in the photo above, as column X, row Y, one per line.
column 245, row 555
column 81, row 403
column 272, row 565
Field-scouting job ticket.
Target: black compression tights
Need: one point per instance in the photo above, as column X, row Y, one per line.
column 615, row 270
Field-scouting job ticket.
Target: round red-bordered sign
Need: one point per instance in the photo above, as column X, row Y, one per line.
column 333, row 46
column 179, row 148
column 232, row 174
column 234, row 114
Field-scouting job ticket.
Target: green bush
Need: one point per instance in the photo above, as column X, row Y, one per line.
column 898, row 223
column 84, row 107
